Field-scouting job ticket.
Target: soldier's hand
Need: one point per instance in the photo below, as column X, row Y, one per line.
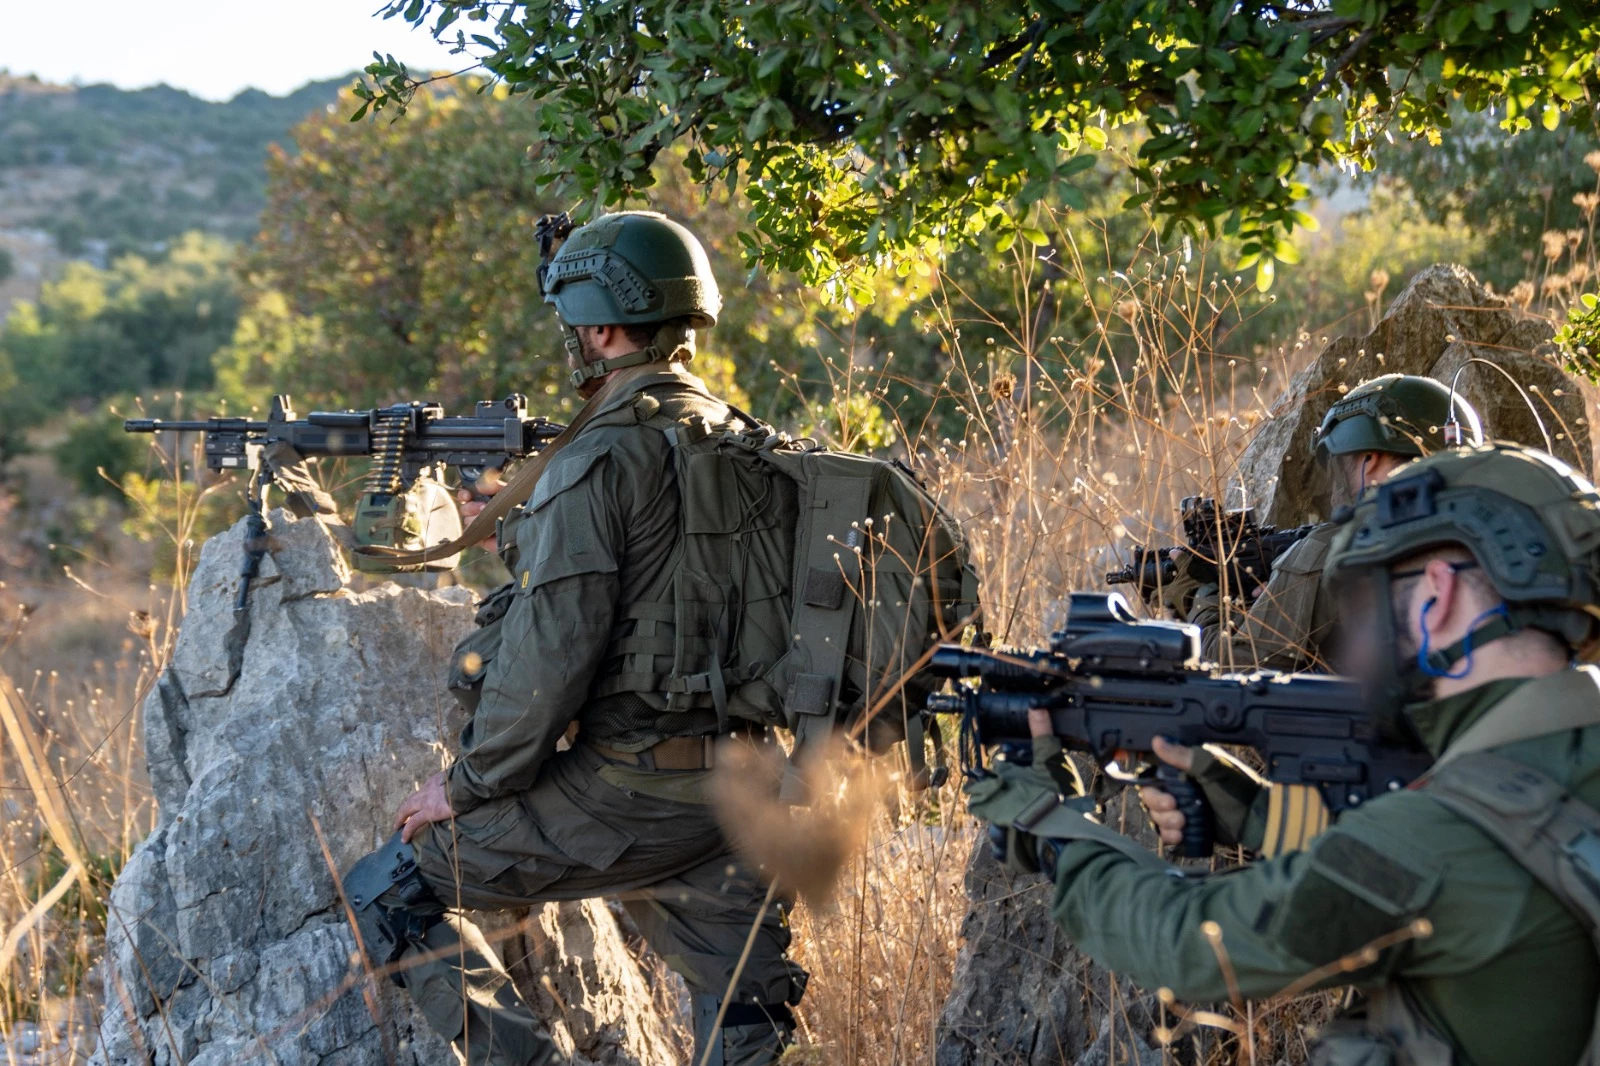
column 1160, row 805
column 473, row 501
column 1177, row 595
column 428, row 804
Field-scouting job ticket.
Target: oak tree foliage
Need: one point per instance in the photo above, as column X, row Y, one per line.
column 865, row 129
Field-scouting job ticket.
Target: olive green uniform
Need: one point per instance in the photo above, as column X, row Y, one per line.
column 1288, row 626
column 533, row 824
column 1507, row 975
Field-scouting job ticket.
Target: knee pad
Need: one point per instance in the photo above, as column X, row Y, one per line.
column 389, row 896
column 751, row 1034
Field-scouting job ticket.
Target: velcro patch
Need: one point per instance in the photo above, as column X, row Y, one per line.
column 1352, row 895
column 824, row 588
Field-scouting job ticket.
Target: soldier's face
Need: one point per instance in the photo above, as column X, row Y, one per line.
column 1369, row 650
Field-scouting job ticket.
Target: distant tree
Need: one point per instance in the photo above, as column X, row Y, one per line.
column 8, row 264
column 97, row 455
column 398, row 259
column 141, row 324
column 1509, row 193
column 878, row 127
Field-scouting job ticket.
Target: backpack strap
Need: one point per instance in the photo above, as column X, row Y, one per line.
column 1553, row 834
column 828, row 569
column 1553, row 704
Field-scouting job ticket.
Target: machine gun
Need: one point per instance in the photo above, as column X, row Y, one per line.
column 403, row 503
column 1218, row 541
column 1112, row 684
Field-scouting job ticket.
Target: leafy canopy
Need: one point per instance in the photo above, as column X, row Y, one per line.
column 865, row 130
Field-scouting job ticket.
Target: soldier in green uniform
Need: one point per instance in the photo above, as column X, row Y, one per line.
column 1367, row 434
column 622, row 812
column 1465, row 908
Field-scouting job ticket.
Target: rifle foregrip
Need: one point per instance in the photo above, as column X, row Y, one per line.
column 1199, row 825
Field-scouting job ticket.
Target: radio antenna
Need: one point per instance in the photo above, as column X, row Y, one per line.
column 1452, row 426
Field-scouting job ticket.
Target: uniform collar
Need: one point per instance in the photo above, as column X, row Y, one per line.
column 633, row 380
column 1439, row 722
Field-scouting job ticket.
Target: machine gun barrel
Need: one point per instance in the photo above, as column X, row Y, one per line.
column 209, row 425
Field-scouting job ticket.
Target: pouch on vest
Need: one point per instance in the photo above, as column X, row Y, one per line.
column 472, row 656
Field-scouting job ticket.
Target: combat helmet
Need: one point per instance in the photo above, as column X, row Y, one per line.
column 1531, row 521
column 1401, row 414
column 631, row 268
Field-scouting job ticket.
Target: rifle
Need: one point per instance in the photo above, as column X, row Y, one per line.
column 1215, row 539
column 1112, row 683
column 403, row 503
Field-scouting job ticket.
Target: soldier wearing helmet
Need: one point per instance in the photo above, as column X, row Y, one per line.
column 622, row 812
column 1375, row 428
column 1466, row 907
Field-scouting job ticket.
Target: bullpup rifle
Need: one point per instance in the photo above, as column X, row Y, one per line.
column 1218, row 541
column 404, row 503
column 1112, row 684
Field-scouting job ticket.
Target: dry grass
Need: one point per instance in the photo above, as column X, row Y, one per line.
column 1055, row 455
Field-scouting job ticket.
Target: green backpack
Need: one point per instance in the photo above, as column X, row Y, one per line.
column 809, row 588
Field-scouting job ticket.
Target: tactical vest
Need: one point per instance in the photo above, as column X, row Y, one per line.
column 1554, row 835
column 807, row 590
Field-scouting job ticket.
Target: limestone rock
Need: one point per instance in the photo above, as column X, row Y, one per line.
column 279, row 743
column 1443, row 318
column 1022, row 995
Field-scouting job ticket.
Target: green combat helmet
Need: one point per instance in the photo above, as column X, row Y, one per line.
column 632, row 268
column 1401, row 414
column 1532, row 522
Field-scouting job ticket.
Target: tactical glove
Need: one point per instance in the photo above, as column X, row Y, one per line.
column 1014, row 789
column 1235, row 794
column 1178, row 594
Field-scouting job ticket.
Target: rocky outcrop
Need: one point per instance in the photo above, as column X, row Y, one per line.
column 1023, row 996
column 1442, row 321
column 279, row 743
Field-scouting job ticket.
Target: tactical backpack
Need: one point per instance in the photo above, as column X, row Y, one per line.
column 808, row 588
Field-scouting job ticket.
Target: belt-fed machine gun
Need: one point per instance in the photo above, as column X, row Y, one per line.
column 404, row 504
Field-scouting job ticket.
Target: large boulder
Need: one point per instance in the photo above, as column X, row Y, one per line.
column 1442, row 321
column 279, row 743
column 1022, row 995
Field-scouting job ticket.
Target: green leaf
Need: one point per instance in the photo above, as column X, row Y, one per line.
column 1077, row 165
column 1552, row 117
column 1591, row 301
column 1265, row 273
column 1035, row 236
column 1004, row 242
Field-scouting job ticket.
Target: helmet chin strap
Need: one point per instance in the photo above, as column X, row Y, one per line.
column 673, row 343
column 1438, row 663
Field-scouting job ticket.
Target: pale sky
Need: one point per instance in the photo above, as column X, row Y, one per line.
column 213, row 48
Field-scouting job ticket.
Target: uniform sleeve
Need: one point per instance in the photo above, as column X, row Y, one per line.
column 554, row 635
column 1344, row 911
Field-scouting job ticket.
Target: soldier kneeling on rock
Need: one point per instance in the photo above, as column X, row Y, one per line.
column 623, row 812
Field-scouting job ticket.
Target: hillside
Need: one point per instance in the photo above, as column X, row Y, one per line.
column 94, row 171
